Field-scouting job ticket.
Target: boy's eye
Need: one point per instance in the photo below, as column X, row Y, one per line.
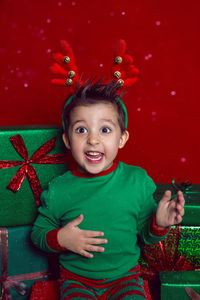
column 105, row 130
column 81, row 130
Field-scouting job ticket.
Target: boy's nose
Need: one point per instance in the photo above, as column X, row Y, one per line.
column 93, row 139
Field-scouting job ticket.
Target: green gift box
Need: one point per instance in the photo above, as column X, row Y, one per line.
column 21, row 263
column 179, row 251
column 30, row 156
column 174, row 285
column 192, row 199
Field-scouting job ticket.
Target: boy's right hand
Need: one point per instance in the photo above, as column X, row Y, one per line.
column 80, row 241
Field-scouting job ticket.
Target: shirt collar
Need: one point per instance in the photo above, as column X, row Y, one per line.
column 77, row 173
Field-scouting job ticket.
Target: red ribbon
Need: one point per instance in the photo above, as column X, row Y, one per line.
column 39, row 157
column 13, row 281
column 164, row 256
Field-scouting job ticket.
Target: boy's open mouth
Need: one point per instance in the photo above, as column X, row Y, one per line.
column 93, row 156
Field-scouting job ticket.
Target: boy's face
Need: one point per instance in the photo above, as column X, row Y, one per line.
column 95, row 136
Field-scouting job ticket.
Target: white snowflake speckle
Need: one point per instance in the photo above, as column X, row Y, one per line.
column 123, row 13
column 158, row 23
column 73, row 3
column 173, row 93
column 139, row 109
column 59, row 3
column 48, row 21
column 148, row 56
column 101, row 65
column 25, row 84
column 48, row 50
column 183, row 159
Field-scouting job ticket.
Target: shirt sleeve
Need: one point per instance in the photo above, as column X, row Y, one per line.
column 52, row 240
column 46, row 226
column 147, row 229
column 155, row 230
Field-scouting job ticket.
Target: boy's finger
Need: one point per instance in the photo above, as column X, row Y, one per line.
column 178, row 219
column 90, row 233
column 77, row 221
column 192, row 294
column 95, row 248
column 167, row 196
column 180, row 198
column 86, row 254
column 181, row 212
column 96, row 241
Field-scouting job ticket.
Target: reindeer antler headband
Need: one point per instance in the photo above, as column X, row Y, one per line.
column 123, row 71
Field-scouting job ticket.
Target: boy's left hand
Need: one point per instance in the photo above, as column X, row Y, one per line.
column 169, row 212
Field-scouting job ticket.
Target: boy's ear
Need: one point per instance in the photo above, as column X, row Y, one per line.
column 66, row 141
column 124, row 138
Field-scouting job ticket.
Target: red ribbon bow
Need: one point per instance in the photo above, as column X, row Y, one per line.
column 164, row 256
column 39, row 157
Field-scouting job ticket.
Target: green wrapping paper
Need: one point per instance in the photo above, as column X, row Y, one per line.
column 20, row 208
column 192, row 201
column 21, row 263
column 173, row 284
column 179, row 251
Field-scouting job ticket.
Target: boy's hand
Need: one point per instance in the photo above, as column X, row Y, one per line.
column 80, row 241
column 170, row 212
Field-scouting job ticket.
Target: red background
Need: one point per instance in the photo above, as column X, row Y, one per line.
column 162, row 36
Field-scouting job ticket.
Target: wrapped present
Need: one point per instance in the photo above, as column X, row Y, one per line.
column 21, row 263
column 29, row 158
column 45, row 290
column 183, row 285
column 179, row 251
column 192, row 198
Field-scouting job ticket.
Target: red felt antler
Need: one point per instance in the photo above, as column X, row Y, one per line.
column 123, row 69
column 65, row 66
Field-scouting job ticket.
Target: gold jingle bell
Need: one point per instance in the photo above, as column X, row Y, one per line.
column 71, row 74
column 120, row 82
column 69, row 81
column 118, row 60
column 117, row 74
column 66, row 59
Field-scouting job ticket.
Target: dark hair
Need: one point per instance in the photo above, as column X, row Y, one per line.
column 91, row 93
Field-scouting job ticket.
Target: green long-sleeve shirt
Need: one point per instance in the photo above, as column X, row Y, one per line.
column 120, row 204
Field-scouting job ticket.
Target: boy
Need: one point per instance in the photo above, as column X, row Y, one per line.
column 94, row 214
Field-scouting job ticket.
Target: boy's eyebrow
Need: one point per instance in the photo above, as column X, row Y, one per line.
column 77, row 121
column 109, row 121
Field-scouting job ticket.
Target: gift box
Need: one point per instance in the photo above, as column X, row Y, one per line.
column 192, row 199
column 30, row 157
column 183, row 285
column 179, row 251
column 21, row 263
